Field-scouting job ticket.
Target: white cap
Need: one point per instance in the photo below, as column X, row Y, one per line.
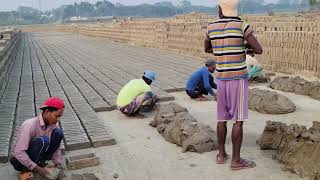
column 229, row 7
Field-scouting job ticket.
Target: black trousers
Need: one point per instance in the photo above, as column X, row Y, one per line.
column 197, row 92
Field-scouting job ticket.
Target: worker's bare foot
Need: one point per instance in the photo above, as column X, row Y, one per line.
column 26, row 176
column 211, row 98
column 243, row 164
column 201, row 98
column 222, row 159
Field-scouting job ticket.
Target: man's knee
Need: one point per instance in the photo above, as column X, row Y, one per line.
column 150, row 99
column 57, row 133
column 222, row 124
column 193, row 94
column 38, row 146
column 238, row 124
column 43, row 141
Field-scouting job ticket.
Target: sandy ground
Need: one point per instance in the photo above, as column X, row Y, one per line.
column 141, row 153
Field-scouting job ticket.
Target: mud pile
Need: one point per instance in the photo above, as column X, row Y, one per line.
column 262, row 79
column 296, row 147
column 177, row 126
column 269, row 102
column 297, row 85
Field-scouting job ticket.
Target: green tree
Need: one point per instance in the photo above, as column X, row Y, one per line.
column 84, row 9
column 185, row 3
column 314, row 4
column 104, row 8
column 68, row 11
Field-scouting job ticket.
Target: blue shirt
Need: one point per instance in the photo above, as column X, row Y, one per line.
column 201, row 78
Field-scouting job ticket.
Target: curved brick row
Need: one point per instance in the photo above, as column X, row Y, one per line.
column 9, row 102
column 74, row 134
column 97, row 132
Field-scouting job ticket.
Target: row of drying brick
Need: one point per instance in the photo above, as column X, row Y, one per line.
column 83, row 115
column 35, row 77
column 9, row 100
column 106, row 74
column 173, row 71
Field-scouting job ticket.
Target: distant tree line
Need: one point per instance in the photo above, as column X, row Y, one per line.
column 27, row 15
column 106, row 8
column 23, row 15
column 314, row 4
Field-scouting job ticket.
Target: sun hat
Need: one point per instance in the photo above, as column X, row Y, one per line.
column 150, row 75
column 211, row 62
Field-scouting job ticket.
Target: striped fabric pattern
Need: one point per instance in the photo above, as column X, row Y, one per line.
column 227, row 37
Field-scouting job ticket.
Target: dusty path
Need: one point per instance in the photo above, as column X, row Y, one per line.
column 141, row 153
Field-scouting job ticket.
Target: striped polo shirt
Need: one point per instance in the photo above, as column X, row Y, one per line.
column 227, row 37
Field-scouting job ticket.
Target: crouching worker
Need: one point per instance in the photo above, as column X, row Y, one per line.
column 136, row 96
column 255, row 70
column 39, row 140
column 201, row 82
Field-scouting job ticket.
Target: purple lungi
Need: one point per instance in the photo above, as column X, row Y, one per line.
column 232, row 100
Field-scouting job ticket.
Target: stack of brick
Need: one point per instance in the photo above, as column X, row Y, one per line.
column 290, row 42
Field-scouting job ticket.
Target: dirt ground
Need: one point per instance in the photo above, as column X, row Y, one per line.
column 141, row 153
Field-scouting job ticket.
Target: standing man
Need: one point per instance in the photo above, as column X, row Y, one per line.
column 201, row 82
column 226, row 39
column 39, row 140
column 137, row 95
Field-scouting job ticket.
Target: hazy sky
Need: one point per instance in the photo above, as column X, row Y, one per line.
column 49, row 4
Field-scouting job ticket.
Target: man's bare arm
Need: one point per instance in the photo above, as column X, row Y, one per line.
column 254, row 44
column 207, row 45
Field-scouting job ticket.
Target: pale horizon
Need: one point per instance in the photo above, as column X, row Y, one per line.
column 50, row 4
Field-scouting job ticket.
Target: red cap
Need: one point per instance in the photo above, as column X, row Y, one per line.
column 53, row 102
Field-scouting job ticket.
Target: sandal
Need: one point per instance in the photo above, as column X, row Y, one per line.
column 25, row 176
column 222, row 160
column 244, row 164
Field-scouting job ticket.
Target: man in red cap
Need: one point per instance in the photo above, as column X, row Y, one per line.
column 39, row 140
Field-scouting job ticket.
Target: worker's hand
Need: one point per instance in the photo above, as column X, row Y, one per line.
column 26, row 176
column 156, row 98
column 250, row 52
column 58, row 165
column 50, row 166
column 210, row 97
column 43, row 172
column 214, row 97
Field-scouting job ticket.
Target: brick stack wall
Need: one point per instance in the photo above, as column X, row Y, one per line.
column 290, row 42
